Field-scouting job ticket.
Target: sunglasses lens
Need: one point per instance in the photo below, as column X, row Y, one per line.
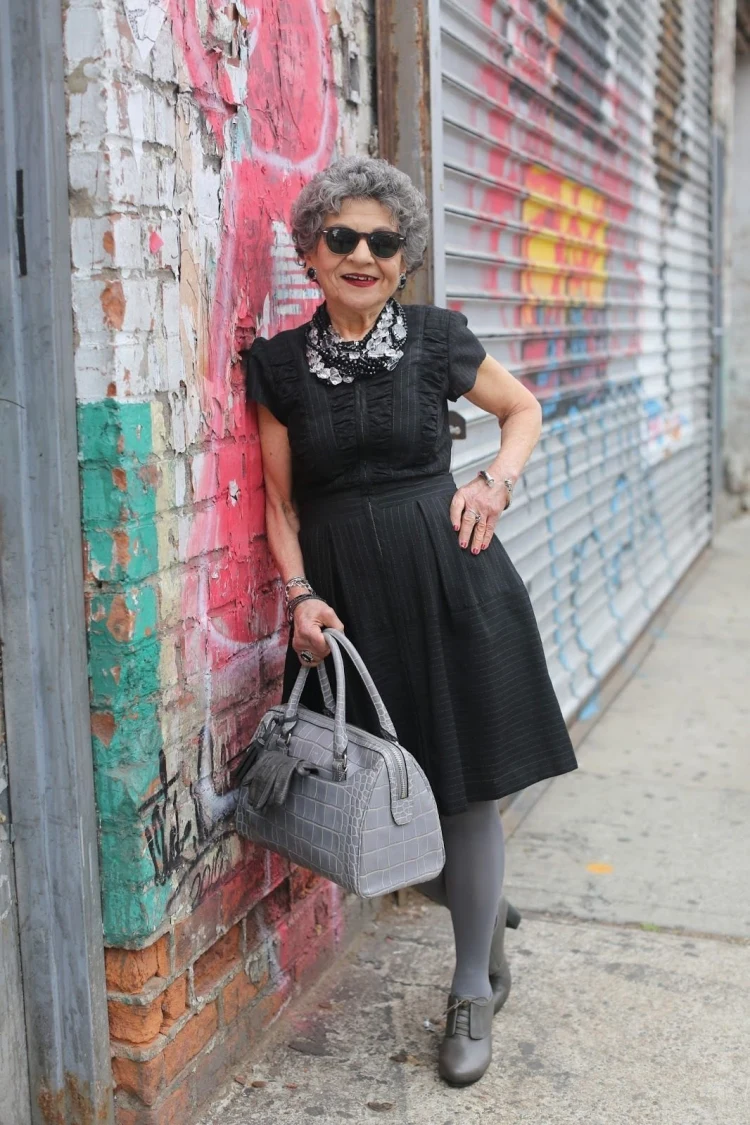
column 341, row 240
column 384, row 243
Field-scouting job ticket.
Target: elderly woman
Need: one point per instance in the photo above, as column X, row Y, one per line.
column 371, row 534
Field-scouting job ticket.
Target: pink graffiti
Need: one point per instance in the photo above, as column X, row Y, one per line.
column 272, row 111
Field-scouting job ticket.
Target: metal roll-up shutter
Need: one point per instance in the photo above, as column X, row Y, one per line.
column 571, row 149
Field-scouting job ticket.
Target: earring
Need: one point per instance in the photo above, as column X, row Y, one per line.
column 402, row 281
column 312, row 273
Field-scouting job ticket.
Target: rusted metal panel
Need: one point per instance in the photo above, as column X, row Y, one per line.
column 572, row 182
column 14, row 1078
column 45, row 694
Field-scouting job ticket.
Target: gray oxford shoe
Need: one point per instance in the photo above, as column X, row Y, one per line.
column 466, row 1050
column 507, row 918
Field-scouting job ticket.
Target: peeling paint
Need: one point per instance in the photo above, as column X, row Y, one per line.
column 146, row 19
column 182, row 173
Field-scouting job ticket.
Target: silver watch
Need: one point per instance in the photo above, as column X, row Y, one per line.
column 491, row 480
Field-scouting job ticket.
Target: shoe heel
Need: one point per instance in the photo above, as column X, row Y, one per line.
column 513, row 919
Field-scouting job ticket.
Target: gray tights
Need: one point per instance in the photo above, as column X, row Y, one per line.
column 471, row 885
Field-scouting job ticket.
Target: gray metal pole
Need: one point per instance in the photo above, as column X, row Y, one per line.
column 41, row 589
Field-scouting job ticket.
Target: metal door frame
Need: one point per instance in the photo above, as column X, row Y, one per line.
column 42, row 623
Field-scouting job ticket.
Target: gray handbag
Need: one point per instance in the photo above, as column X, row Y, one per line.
column 352, row 806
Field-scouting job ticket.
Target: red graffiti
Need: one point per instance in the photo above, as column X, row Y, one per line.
column 269, row 102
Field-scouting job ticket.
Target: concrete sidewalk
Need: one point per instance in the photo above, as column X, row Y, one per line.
column 631, row 995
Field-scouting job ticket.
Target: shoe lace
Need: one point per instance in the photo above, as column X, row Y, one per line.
column 461, row 1008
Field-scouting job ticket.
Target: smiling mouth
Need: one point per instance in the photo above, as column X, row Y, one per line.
column 361, row 279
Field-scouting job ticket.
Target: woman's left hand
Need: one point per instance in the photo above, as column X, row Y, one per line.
column 475, row 510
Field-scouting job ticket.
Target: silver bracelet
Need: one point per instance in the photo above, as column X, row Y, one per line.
column 298, row 580
column 490, row 480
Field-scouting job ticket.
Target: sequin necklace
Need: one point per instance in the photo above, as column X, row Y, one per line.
column 342, row 361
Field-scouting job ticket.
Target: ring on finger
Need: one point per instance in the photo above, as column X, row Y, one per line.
column 476, row 516
column 306, row 657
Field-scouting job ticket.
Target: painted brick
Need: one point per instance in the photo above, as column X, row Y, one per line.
column 116, row 494
column 306, row 924
column 83, row 36
column 314, row 957
column 131, row 911
column 125, row 552
column 87, row 247
column 212, row 1070
column 129, row 737
column 157, row 387
column 197, row 932
column 271, row 1006
column 229, row 580
column 192, row 1039
column 121, row 792
column 277, row 905
column 238, row 994
column 303, row 882
column 209, row 969
column 243, row 891
column 267, row 613
column 127, row 617
column 114, row 432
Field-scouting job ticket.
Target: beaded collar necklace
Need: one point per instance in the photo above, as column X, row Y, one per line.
column 336, row 361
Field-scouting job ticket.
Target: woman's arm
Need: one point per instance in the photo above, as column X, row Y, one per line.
column 520, row 417
column 282, row 529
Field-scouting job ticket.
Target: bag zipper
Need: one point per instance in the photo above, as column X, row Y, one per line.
column 401, row 766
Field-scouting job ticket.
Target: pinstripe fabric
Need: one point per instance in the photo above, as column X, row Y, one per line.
column 450, row 638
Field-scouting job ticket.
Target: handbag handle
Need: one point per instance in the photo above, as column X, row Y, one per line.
column 387, row 728
column 329, row 703
column 336, row 639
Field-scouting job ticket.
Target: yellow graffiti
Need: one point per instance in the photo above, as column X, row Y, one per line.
column 570, row 236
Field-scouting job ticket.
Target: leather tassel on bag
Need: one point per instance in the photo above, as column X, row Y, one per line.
column 269, row 774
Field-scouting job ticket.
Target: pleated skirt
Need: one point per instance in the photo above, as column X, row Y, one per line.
column 450, row 639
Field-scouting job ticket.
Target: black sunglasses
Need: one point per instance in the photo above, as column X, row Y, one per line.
column 382, row 243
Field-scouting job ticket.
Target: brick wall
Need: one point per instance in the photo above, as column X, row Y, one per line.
column 191, row 127
column 185, row 1010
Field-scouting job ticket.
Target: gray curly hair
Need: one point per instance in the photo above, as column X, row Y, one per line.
column 362, row 177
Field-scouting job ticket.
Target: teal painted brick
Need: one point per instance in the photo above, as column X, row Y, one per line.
column 131, row 912
column 139, row 603
column 112, row 495
column 122, row 791
column 118, row 506
column 126, row 855
column 116, row 433
column 124, row 649
column 125, row 677
column 136, row 737
column 125, row 552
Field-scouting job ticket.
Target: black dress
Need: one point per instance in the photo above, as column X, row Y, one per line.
column 449, row 637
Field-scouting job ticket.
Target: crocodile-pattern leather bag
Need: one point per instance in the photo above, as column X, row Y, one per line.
column 352, row 806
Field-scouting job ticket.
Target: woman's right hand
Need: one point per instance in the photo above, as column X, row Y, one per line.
column 310, row 619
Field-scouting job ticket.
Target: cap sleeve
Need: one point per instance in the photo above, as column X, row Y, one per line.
column 259, row 375
column 465, row 354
